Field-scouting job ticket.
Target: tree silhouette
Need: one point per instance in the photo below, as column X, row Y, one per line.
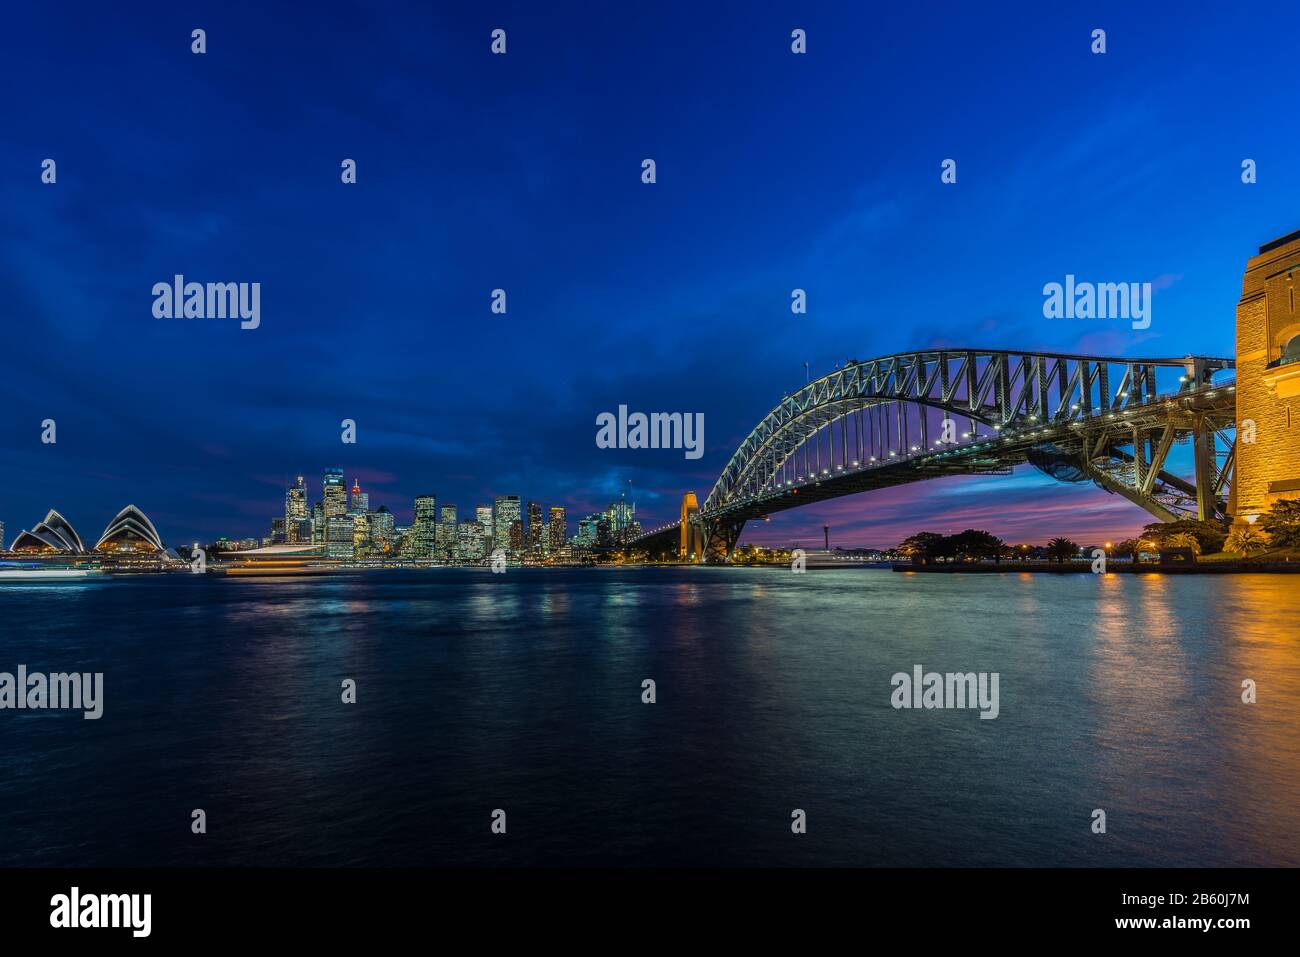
column 1283, row 524
column 1126, row 549
column 1246, row 540
column 923, row 544
column 977, row 544
column 1062, row 549
column 1184, row 540
column 1209, row 534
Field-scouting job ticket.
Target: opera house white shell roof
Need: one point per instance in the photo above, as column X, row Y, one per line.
column 54, row 533
column 130, row 530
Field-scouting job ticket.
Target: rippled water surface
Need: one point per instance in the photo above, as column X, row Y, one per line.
column 523, row 692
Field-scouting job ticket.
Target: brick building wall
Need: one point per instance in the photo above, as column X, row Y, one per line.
column 1268, row 394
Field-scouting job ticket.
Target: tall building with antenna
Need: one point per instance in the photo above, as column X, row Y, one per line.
column 296, row 527
column 360, row 504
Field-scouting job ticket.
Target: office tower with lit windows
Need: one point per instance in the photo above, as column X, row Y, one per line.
column 425, row 527
column 360, row 534
column 298, row 531
column 318, row 523
column 558, row 529
column 536, row 533
column 445, row 537
column 483, row 515
column 621, row 523
column 340, row 537
column 472, row 541
column 507, row 525
column 382, row 532
column 587, row 530
column 336, row 494
column 360, row 504
column 295, row 510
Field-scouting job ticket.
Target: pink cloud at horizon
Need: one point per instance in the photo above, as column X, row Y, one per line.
column 885, row 517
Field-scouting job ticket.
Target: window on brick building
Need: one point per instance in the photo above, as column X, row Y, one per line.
column 1291, row 351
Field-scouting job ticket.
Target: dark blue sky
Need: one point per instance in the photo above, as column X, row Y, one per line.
column 523, row 172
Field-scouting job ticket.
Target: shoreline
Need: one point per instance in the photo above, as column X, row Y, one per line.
column 1085, row 568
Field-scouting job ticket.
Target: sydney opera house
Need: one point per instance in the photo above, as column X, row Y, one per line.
column 130, row 534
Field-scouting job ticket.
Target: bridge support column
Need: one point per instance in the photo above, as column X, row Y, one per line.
column 691, row 548
column 1203, row 459
column 720, row 539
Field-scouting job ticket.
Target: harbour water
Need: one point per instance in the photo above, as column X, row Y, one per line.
column 523, row 692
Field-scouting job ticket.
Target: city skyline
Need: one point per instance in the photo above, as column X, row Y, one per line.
column 298, row 503
column 351, row 529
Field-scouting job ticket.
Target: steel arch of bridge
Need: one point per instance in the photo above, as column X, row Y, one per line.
column 1002, row 390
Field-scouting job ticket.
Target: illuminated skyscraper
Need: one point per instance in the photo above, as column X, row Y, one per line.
column 295, row 509
column 559, row 528
column 340, row 537
column 382, row 531
column 425, row 527
column 360, row 534
column 536, row 536
column 336, row 494
column 620, row 515
column 507, row 530
column 445, row 538
column 483, row 515
column 360, row 500
column 472, row 541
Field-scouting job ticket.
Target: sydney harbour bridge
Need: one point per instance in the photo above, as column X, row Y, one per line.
column 921, row 415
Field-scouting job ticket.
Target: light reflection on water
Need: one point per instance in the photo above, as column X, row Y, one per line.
column 523, row 691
